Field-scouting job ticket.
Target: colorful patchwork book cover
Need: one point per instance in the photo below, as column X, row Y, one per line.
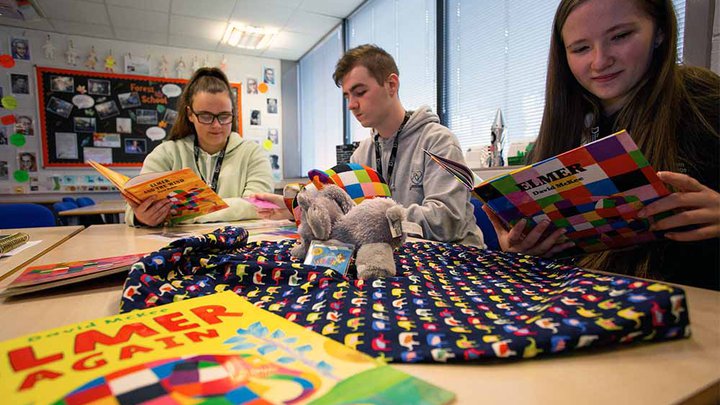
column 216, row 349
column 594, row 192
column 36, row 278
column 189, row 194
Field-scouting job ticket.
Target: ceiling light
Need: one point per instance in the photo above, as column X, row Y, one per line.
column 248, row 36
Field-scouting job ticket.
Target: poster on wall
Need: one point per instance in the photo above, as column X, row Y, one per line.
column 115, row 119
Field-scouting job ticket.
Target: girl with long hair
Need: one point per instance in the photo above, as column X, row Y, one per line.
column 204, row 138
column 612, row 66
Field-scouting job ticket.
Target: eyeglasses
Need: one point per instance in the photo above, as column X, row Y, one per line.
column 207, row 118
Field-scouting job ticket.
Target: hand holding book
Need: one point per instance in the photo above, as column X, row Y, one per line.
column 156, row 197
column 592, row 193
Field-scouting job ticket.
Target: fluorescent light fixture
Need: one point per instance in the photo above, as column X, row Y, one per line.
column 248, row 36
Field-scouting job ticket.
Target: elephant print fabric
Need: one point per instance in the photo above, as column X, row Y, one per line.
column 448, row 303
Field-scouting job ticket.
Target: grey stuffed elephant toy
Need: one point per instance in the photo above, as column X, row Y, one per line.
column 330, row 214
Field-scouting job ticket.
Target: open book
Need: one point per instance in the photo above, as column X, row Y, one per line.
column 594, row 192
column 189, row 194
column 216, row 349
column 36, row 278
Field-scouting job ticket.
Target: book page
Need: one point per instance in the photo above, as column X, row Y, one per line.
column 115, row 178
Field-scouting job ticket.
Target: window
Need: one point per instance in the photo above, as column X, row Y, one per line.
column 321, row 105
column 406, row 30
column 497, row 58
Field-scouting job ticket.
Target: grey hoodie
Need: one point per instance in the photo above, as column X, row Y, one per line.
column 434, row 199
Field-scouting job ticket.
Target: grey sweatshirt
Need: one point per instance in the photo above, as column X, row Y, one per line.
column 434, row 199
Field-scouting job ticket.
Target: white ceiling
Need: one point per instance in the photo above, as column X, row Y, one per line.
column 196, row 24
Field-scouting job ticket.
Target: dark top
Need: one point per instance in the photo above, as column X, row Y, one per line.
column 690, row 263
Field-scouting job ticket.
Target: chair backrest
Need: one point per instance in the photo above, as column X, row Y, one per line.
column 482, row 220
column 85, row 201
column 64, row 206
column 25, row 216
column 69, row 199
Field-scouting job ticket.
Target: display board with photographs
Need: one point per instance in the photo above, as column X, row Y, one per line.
column 114, row 119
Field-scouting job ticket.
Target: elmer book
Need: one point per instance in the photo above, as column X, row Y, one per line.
column 36, row 278
column 189, row 194
column 594, row 192
column 217, row 349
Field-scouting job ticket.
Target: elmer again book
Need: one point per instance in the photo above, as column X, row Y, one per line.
column 594, row 192
column 216, row 349
column 189, row 194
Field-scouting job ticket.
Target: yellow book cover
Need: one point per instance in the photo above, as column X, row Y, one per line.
column 189, row 194
column 217, row 349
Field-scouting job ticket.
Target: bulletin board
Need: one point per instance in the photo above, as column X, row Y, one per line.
column 114, row 119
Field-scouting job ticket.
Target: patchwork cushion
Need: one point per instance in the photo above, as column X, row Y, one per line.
column 450, row 303
column 359, row 181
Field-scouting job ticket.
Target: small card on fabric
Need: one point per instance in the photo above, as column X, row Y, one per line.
column 333, row 254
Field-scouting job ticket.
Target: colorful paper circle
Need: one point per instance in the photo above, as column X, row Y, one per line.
column 7, row 61
column 9, row 102
column 21, row 176
column 160, row 108
column 263, row 87
column 17, row 139
column 267, row 144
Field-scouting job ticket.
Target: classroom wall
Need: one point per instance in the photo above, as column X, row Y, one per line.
column 239, row 69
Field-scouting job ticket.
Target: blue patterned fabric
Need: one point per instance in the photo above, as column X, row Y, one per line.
column 450, row 303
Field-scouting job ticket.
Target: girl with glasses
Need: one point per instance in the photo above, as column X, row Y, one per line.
column 204, row 138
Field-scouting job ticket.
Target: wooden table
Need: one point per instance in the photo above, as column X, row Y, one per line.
column 669, row 372
column 111, row 208
column 50, row 236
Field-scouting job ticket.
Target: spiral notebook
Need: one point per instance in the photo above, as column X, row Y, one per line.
column 10, row 242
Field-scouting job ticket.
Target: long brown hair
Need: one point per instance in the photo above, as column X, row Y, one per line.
column 651, row 114
column 208, row 79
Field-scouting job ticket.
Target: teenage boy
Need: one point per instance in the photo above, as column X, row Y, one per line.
column 370, row 82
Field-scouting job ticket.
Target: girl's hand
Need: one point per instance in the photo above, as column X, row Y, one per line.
column 272, row 213
column 696, row 205
column 531, row 243
column 150, row 212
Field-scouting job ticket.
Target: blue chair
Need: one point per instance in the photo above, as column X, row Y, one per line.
column 69, row 199
column 85, row 201
column 25, row 216
column 85, row 220
column 482, row 220
column 64, row 206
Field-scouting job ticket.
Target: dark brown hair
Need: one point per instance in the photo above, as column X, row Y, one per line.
column 651, row 115
column 207, row 79
column 376, row 60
